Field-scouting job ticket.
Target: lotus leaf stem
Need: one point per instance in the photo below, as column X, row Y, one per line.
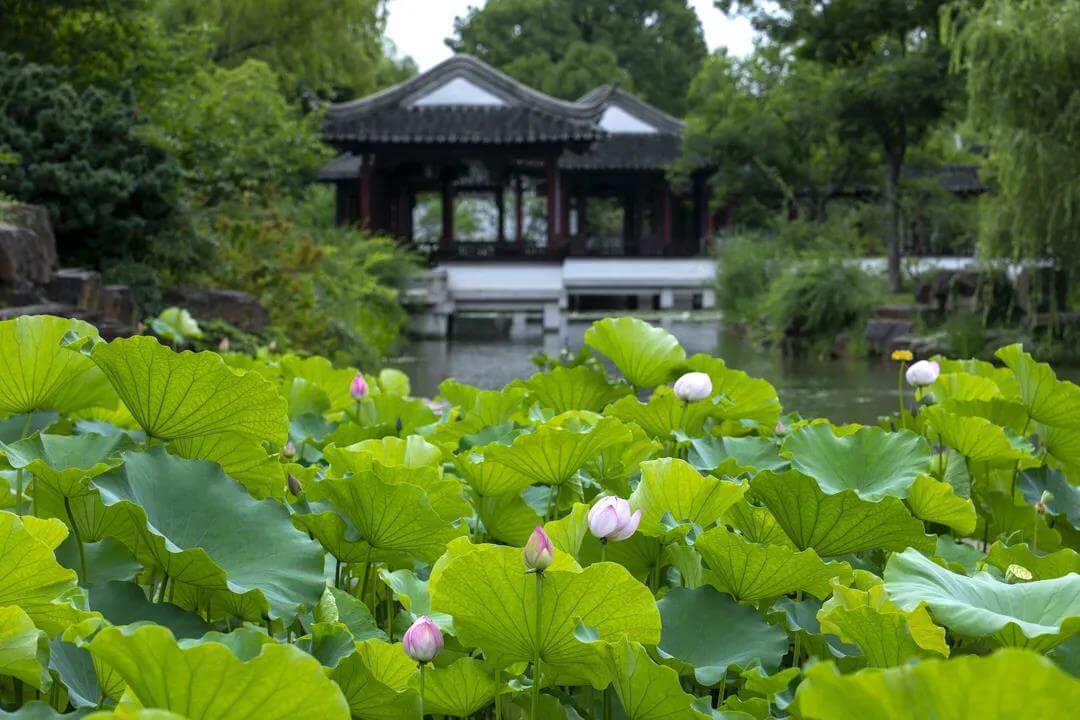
column 78, row 540
column 539, row 640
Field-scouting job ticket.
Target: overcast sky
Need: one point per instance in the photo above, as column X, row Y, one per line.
column 418, row 27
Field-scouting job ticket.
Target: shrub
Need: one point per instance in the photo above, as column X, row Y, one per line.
column 745, row 265
column 818, row 298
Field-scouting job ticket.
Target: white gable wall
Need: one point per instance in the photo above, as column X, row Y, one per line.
column 617, row 120
column 459, row 91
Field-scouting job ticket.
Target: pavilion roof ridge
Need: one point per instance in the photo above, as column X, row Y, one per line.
column 612, row 94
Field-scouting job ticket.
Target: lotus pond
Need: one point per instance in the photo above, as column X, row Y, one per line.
column 223, row 536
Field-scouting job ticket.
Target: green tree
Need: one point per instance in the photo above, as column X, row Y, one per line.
column 79, row 153
column 1022, row 62
column 568, row 47
column 890, row 78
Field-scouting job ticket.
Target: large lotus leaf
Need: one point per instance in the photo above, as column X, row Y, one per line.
column 1002, row 377
column 181, row 395
column 1009, row 414
column 749, row 453
column 318, row 371
column 1041, row 613
column 963, row 387
column 751, row 572
column 742, row 397
column 613, row 467
column 799, row 619
column 1013, row 520
column 1007, row 685
column 646, row 690
column 24, row 650
column 974, row 437
column 872, row 462
column 711, row 632
column 1064, row 497
column 125, row 603
column 936, row 501
column 32, row 579
column 507, row 518
column 394, row 382
column 573, row 388
column 445, row 493
column 493, row 603
column 839, row 523
column 462, row 688
column 411, row 452
column 1048, row 400
column 417, row 467
column 1042, row 567
column 241, row 457
column 1063, row 444
column 75, row 667
column 387, row 519
column 553, row 453
column 412, row 593
column 756, row 524
column 281, row 682
column 672, row 486
column 571, row 537
column 376, row 682
column 664, row 413
column 645, row 355
column 204, row 530
column 38, row 373
column 67, row 463
column 887, row 635
column 488, row 478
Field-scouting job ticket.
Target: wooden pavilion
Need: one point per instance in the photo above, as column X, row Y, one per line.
column 563, row 179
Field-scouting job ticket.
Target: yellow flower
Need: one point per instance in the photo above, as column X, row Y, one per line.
column 902, row 356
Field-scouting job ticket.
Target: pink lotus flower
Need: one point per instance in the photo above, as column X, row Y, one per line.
column 358, row 388
column 610, row 519
column 539, row 553
column 423, row 640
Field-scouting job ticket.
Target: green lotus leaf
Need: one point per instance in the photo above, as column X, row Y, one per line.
column 1064, row 499
column 964, row 387
column 613, row 467
column 872, row 462
column 204, row 530
column 281, row 682
column 488, row 478
column 571, row 537
column 126, row 712
column 75, row 667
column 645, row 355
column 573, row 388
column 1048, row 400
column 24, row 650
column 757, row 683
column 462, row 688
column 836, row 524
column 1009, row 684
column 687, row 561
column 387, row 520
column 481, row 408
column 756, row 524
column 507, row 518
column 799, row 619
column 125, row 603
column 935, row 501
column 742, row 397
column 1042, row 567
column 750, row 452
column 33, row 580
column 327, row 642
column 410, row 452
column 17, row 427
column 412, row 593
column 1013, row 520
column 711, row 632
column 183, row 395
column 672, row 486
column 38, row 373
column 1040, row 614
column 1063, row 444
column 241, row 457
column 355, row 615
column 957, row 555
column 40, row 710
column 493, row 603
column 394, row 382
column 864, row 616
column 376, row 682
column 646, row 690
column 67, row 463
column 976, row 438
column 750, row 572
column 318, row 371
column 305, row 398
column 1008, row 414
column 1001, row 376
column 552, row 454
column 664, row 413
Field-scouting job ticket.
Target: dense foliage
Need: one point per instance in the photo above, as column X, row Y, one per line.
column 202, row 536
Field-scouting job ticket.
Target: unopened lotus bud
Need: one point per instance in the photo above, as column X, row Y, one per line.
column 539, row 552
column 1044, row 499
column 289, row 451
column 423, row 640
column 295, row 486
column 224, row 345
column 1017, row 573
column 693, row 386
column 610, row 519
column 922, row 373
column 781, row 428
column 358, row 388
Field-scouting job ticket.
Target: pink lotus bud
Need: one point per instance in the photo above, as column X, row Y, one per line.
column 539, row 552
column 358, row 388
column 922, row 373
column 295, row 486
column 224, row 345
column 289, row 451
column 423, row 640
column 781, row 428
column 693, row 386
column 610, row 519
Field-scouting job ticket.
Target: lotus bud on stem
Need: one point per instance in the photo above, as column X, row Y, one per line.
column 422, row 642
column 538, row 555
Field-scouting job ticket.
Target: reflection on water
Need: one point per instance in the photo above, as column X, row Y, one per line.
column 850, row 390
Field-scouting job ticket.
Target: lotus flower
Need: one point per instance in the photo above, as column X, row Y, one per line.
column 423, row 640
column 539, row 552
column 610, row 519
column 289, row 451
column 693, row 386
column 358, row 388
column 922, row 373
column 295, row 486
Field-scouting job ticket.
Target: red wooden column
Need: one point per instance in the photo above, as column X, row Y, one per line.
column 446, row 242
column 366, row 181
column 519, row 216
column 554, row 193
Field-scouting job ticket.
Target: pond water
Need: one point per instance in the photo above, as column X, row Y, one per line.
column 847, row 390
